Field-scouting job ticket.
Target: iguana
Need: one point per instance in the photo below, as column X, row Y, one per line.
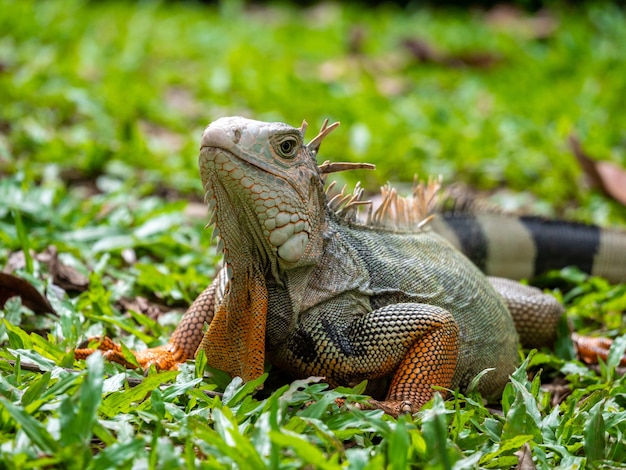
column 313, row 291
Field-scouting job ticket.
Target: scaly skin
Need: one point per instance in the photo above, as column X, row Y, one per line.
column 316, row 295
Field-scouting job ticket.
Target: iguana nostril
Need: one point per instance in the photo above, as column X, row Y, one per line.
column 214, row 136
column 236, row 136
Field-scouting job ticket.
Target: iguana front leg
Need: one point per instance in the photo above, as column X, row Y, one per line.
column 430, row 361
column 181, row 346
column 416, row 345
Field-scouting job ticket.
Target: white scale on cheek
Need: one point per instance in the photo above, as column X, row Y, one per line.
column 282, row 218
column 293, row 249
column 281, row 235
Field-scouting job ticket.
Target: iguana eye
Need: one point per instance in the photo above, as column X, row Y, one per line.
column 288, row 147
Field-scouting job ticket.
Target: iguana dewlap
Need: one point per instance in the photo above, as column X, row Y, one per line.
column 316, row 293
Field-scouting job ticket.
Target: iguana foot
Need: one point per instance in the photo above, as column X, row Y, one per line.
column 394, row 408
column 166, row 357
column 181, row 346
column 591, row 348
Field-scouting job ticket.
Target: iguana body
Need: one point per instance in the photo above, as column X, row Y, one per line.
column 395, row 304
column 315, row 293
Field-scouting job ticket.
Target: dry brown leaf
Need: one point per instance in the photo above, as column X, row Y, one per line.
column 356, row 40
column 66, row 277
column 604, row 175
column 161, row 138
column 16, row 261
column 196, row 210
column 613, row 179
column 144, row 306
column 13, row 286
column 525, row 458
column 423, row 51
column 182, row 101
column 509, row 18
column 558, row 389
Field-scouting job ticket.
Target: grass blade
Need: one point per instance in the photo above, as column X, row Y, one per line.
column 35, row 431
column 595, row 440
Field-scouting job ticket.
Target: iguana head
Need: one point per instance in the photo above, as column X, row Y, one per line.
column 264, row 185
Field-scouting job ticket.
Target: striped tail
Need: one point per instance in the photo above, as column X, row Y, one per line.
column 523, row 247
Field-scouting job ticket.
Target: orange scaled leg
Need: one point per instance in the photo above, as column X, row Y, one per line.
column 591, row 348
column 429, row 362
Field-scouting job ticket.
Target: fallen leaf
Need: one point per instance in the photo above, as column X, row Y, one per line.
column 525, row 458
column 161, row 139
column 66, row 277
column 423, row 51
column 144, row 306
column 509, row 18
column 197, row 210
column 12, row 286
column 16, row 261
column 606, row 176
column 613, row 179
column 356, row 40
column 182, row 101
column 558, row 389
column 77, row 178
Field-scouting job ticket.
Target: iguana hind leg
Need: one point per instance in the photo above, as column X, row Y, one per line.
column 536, row 315
column 181, row 346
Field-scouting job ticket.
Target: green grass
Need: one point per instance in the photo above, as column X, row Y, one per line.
column 101, row 109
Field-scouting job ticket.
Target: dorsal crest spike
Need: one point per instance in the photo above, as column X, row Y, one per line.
column 346, row 205
column 303, row 127
column 334, row 167
column 407, row 213
column 395, row 212
column 315, row 143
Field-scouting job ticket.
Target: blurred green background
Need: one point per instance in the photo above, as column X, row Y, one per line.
column 485, row 96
